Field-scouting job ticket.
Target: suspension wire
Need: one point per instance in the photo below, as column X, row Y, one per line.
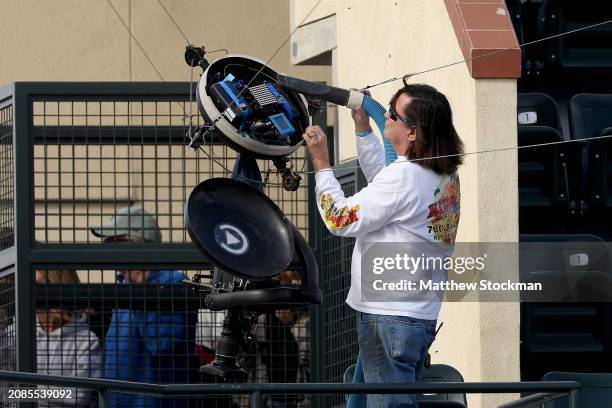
column 218, row 118
column 191, row 83
column 472, row 59
column 213, row 125
column 281, row 46
column 265, row 181
column 130, row 41
column 490, row 53
column 190, row 98
column 178, row 27
column 127, row 28
column 220, row 164
column 174, row 22
column 136, row 40
column 213, row 158
column 501, row 149
column 436, row 68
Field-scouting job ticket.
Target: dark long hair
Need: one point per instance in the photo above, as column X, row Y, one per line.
column 436, row 135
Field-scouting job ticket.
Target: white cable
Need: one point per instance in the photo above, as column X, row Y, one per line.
column 501, row 149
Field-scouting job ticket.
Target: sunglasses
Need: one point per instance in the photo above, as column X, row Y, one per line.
column 394, row 117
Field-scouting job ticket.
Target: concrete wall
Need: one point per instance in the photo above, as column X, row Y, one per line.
column 307, row 11
column 76, row 40
column 83, row 40
column 380, row 39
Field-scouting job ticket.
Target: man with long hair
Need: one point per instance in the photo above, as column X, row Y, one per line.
column 414, row 200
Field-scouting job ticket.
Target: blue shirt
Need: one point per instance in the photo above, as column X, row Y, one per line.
column 151, row 347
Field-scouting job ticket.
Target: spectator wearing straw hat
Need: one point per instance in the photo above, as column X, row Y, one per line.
column 146, row 346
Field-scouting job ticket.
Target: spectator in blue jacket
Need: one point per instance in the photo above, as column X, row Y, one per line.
column 146, row 346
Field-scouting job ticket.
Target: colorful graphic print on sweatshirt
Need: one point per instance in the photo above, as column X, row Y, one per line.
column 337, row 217
column 444, row 212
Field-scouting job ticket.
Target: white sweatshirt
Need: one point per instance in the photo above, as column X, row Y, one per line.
column 402, row 202
column 72, row 351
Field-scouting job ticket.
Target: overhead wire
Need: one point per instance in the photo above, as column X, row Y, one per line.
column 500, row 149
column 436, row 68
column 218, row 118
column 491, row 53
column 211, row 127
column 174, row 21
column 125, row 25
column 475, row 58
column 146, row 55
column 136, row 41
column 130, row 69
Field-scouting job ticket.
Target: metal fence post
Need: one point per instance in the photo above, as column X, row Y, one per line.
column 24, row 279
column 574, row 398
column 104, row 400
column 25, row 333
column 317, row 328
column 256, row 401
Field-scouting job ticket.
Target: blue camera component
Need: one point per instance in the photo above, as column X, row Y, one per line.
column 282, row 100
column 283, row 125
column 262, row 112
column 238, row 106
column 229, row 87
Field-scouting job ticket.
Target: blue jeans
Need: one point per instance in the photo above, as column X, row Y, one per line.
column 392, row 349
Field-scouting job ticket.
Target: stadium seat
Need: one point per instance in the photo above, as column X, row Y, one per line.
column 544, row 184
column 538, row 109
column 596, row 391
column 556, row 252
column 591, row 116
column 585, row 49
column 526, row 18
column 581, row 262
column 542, row 171
column 441, row 373
column 435, row 373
